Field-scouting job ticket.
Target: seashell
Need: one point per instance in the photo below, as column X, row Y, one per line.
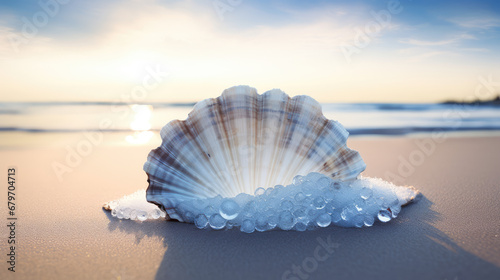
column 242, row 141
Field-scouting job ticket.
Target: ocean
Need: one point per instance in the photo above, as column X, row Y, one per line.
column 140, row 121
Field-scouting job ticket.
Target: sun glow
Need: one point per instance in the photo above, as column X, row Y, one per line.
column 132, row 67
column 141, row 125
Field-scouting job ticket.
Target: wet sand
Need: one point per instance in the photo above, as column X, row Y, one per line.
column 452, row 232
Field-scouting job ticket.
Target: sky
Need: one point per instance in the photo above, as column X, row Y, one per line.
column 186, row 51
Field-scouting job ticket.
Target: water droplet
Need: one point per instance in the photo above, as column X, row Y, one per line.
column 319, row 203
column 300, row 213
column 261, row 223
column 217, row 222
column 142, row 216
column 384, row 216
column 394, row 201
column 272, row 221
column 323, row 220
column 286, row 205
column 297, row 180
column 314, row 176
column 155, row 214
column 133, row 214
column 300, row 196
column 395, row 210
column 251, row 207
column 189, row 217
column 286, row 220
column 209, row 210
column 119, row 214
column 300, row 226
column 229, row 209
column 307, row 201
column 366, row 193
column 348, row 213
column 259, row 191
column 312, row 213
column 324, row 182
column 336, row 216
column 269, row 191
column 329, row 207
column 359, row 204
column 369, row 220
column 201, row 221
column 311, row 226
column 309, row 188
column 390, row 201
column 358, row 221
column 247, row 226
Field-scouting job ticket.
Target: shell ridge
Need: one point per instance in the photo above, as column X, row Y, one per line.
column 219, row 155
column 178, row 171
column 171, row 147
column 276, row 153
column 294, row 140
column 228, row 139
column 268, row 140
column 306, row 162
column 256, row 154
column 180, row 152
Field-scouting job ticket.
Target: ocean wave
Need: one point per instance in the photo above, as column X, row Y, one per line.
column 392, row 131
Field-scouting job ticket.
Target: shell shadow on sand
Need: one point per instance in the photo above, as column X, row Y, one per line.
column 407, row 248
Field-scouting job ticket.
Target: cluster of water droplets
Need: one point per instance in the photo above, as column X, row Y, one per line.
column 135, row 207
column 309, row 202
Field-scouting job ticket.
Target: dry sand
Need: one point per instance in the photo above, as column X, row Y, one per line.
column 453, row 232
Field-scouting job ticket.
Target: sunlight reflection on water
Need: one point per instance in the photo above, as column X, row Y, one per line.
column 141, row 125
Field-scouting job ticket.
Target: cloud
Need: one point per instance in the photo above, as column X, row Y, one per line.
column 5, row 44
column 479, row 22
column 452, row 40
column 424, row 49
column 193, row 45
column 484, row 50
column 427, row 43
column 102, row 57
column 430, row 53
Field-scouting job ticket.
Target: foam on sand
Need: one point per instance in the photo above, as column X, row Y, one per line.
column 309, row 202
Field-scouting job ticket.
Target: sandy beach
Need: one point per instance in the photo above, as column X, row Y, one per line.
column 452, row 232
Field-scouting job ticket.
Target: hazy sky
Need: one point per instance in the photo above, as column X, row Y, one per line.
column 335, row 51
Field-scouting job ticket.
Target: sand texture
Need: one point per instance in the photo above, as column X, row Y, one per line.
column 452, row 232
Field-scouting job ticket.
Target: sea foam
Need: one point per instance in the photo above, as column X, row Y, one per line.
column 310, row 202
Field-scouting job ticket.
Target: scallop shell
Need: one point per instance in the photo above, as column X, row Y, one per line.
column 241, row 141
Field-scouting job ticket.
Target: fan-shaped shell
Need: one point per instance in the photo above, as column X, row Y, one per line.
column 241, row 141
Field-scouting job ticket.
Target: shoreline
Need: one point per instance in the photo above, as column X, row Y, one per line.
column 56, row 140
